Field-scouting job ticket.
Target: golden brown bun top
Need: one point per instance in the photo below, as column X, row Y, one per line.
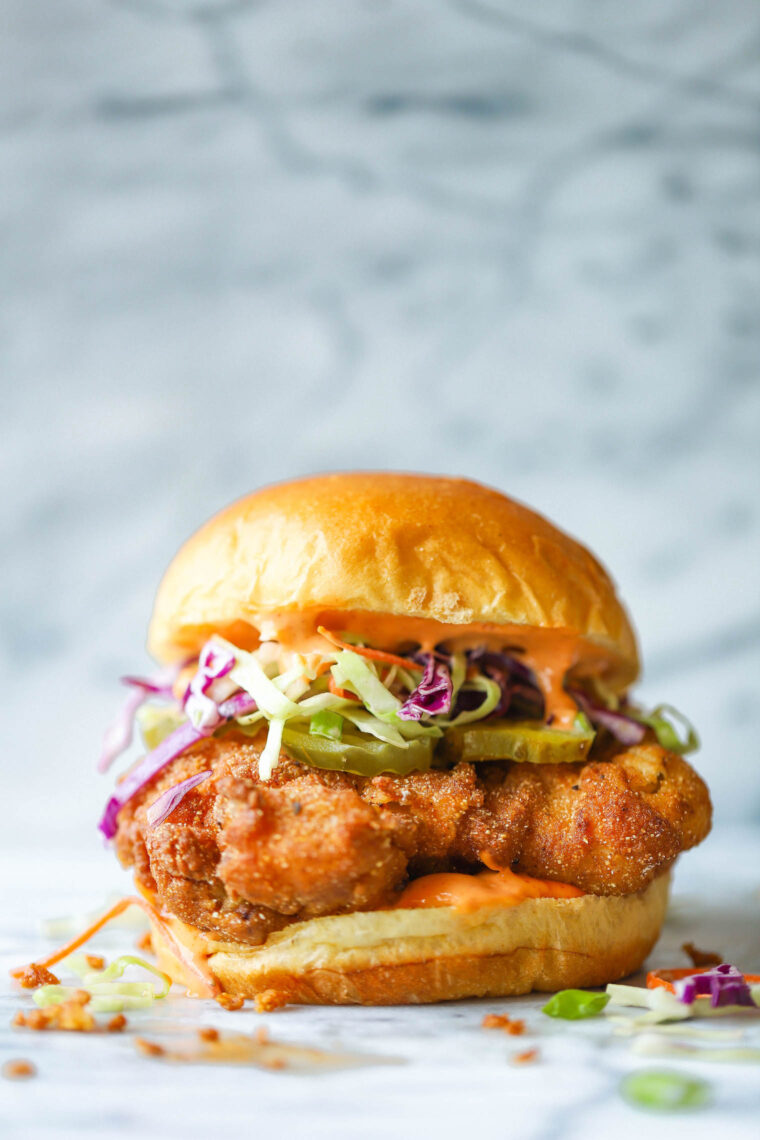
column 387, row 545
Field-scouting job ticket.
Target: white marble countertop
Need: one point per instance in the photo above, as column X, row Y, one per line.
column 243, row 241
column 453, row 1077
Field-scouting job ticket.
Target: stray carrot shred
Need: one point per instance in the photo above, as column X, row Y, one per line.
column 372, row 654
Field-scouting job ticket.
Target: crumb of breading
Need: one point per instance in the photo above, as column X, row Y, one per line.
column 525, row 1058
column 18, row 1070
column 70, row 1015
column 701, row 957
column 510, row 1025
column 34, row 976
column 269, row 1000
column 229, row 1001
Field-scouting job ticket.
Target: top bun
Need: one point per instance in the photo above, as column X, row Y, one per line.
column 391, row 546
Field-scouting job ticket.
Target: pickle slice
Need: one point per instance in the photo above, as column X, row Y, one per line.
column 360, row 755
column 530, row 742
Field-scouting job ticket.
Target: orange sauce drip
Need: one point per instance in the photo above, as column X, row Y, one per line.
column 488, row 888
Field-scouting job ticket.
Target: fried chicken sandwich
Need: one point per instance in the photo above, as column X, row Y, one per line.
column 392, row 756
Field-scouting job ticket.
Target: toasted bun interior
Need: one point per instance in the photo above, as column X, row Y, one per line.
column 407, row 555
column 391, row 957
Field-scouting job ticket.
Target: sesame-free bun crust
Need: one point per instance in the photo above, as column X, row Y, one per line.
column 390, row 546
column 394, row 957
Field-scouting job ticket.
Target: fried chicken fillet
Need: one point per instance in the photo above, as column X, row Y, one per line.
column 241, row 858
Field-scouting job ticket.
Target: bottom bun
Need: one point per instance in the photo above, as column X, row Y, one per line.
column 394, row 957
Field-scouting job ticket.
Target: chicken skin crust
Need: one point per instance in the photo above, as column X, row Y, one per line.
column 241, row 858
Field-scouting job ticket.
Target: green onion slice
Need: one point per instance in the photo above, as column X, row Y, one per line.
column 664, row 1091
column 574, row 1005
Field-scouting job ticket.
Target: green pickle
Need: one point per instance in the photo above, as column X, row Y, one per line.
column 360, row 755
column 530, row 742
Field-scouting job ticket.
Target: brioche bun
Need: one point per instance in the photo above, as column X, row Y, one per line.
column 397, row 555
column 391, row 957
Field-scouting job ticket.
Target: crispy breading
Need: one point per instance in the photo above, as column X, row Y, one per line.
column 243, row 858
column 607, row 826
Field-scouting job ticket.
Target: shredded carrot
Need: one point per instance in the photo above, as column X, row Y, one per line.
column 113, row 912
column 348, row 696
column 372, row 654
column 200, row 971
column 663, row 979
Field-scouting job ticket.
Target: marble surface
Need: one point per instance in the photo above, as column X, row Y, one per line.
column 244, row 240
column 452, row 1077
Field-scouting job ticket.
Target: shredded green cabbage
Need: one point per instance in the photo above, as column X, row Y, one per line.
column 268, row 695
column 372, row 726
column 661, row 1004
column 672, row 729
column 492, row 698
column 271, row 754
column 352, row 672
column 107, row 994
column 458, row 674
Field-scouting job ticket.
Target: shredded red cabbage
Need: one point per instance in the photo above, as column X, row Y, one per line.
column 162, row 807
column 434, row 692
column 242, row 704
column 174, row 744
column 118, row 736
column 623, row 728
column 520, row 693
column 203, row 692
column 724, row 984
column 207, row 706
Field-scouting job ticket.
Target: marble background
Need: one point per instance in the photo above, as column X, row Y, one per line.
column 243, row 241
